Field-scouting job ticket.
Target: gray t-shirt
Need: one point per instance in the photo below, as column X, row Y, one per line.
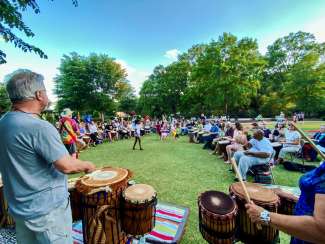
column 28, row 147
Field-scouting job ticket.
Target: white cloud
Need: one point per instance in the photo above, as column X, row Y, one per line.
column 135, row 76
column 172, row 54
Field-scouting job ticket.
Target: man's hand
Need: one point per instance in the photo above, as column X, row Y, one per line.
column 254, row 212
column 89, row 167
column 247, row 153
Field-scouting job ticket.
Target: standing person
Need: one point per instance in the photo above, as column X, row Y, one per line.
column 34, row 164
column 68, row 129
column 137, row 134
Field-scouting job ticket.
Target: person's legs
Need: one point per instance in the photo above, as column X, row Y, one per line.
column 245, row 163
column 135, row 142
column 238, row 155
column 286, row 150
column 53, row 228
column 140, row 143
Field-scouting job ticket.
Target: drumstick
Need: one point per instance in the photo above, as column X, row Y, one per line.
column 234, row 165
column 248, row 198
column 308, row 139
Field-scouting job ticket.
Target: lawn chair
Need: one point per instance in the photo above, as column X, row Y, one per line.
column 299, row 154
column 263, row 172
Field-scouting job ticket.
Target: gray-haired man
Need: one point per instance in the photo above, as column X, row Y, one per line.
column 34, row 164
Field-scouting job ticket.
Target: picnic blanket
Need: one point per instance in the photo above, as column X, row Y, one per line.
column 170, row 226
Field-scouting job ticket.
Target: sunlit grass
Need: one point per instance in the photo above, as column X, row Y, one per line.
column 179, row 171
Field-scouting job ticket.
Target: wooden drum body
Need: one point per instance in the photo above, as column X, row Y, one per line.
column 266, row 198
column 75, row 200
column 217, row 217
column 288, row 202
column 138, row 209
column 100, row 203
column 6, row 221
column 222, row 148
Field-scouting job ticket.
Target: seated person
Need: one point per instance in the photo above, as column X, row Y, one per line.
column 267, row 132
column 260, row 151
column 319, row 139
column 237, row 142
column 228, row 135
column 278, row 132
column 213, row 133
column 291, row 143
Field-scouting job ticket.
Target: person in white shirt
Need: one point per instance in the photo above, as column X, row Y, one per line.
column 291, row 143
column 137, row 134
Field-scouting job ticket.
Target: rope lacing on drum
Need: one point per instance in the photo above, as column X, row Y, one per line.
column 96, row 231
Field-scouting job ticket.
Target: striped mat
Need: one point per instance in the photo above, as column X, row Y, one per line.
column 170, row 226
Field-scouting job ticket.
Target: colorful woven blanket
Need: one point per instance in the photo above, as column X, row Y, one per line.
column 170, row 226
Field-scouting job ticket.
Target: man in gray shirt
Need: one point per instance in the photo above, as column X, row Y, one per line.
column 34, row 164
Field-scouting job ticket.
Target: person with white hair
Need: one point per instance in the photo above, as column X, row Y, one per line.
column 34, row 163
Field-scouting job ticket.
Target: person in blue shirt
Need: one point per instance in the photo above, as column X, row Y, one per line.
column 213, row 133
column 319, row 139
column 34, row 163
column 308, row 223
column 260, row 151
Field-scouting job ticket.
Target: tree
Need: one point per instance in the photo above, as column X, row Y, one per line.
column 90, row 83
column 11, row 18
column 227, row 75
column 282, row 55
column 4, row 99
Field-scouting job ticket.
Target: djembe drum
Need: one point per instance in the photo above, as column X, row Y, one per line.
column 248, row 232
column 222, row 148
column 100, row 204
column 75, row 200
column 138, row 209
column 6, row 221
column 191, row 136
column 217, row 217
column 288, row 201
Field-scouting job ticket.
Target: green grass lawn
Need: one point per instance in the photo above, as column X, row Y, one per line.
column 178, row 170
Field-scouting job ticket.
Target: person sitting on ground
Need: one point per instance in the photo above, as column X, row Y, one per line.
column 237, row 142
column 291, row 143
column 259, row 152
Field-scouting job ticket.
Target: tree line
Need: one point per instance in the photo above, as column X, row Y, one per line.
column 229, row 76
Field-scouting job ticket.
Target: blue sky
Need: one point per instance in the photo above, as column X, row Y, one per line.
column 141, row 34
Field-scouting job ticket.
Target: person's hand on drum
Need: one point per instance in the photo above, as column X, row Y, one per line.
column 254, row 212
column 89, row 167
column 247, row 153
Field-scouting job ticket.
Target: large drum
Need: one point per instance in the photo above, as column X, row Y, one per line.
column 222, row 148
column 6, row 221
column 75, row 200
column 217, row 217
column 288, row 201
column 266, row 198
column 100, row 204
column 138, row 209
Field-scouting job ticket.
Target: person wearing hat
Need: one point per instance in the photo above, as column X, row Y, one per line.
column 68, row 130
column 34, row 164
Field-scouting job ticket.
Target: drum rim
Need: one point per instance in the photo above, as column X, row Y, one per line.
column 102, row 183
column 153, row 197
column 241, row 195
column 232, row 212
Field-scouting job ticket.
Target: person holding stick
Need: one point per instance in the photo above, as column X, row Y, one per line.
column 308, row 223
column 34, row 164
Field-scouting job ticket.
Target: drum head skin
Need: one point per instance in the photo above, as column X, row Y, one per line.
column 217, row 202
column 257, row 193
column 105, row 177
column 139, row 193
